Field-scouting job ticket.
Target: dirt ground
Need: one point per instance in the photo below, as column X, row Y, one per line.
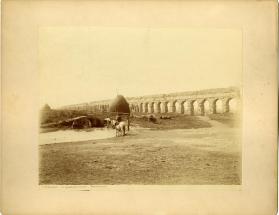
column 210, row 155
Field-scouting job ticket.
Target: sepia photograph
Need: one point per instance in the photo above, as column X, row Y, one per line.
column 140, row 106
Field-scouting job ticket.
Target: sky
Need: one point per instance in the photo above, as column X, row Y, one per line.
column 83, row 64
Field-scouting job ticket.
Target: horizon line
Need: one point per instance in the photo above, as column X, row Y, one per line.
column 149, row 95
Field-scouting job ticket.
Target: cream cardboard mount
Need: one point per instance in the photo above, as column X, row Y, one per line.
column 196, row 82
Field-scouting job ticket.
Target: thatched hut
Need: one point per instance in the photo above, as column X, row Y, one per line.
column 119, row 105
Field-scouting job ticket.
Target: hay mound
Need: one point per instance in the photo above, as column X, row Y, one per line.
column 119, row 105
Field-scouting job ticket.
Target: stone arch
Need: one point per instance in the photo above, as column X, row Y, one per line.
column 167, row 106
column 232, row 105
column 141, row 107
column 134, row 106
column 201, row 106
column 195, row 105
column 137, row 108
column 189, row 107
column 186, row 107
column 145, row 107
column 157, row 107
column 131, row 106
column 151, row 107
column 179, row 108
column 206, row 106
column 219, row 105
column 171, row 106
column 164, row 107
column 176, row 107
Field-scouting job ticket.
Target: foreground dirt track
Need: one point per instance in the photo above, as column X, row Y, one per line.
column 146, row 156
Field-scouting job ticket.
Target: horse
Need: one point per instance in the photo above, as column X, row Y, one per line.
column 107, row 121
column 113, row 123
column 120, row 128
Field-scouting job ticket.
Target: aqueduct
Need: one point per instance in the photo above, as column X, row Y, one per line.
column 191, row 103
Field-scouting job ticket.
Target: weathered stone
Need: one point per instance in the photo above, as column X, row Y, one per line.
column 165, row 103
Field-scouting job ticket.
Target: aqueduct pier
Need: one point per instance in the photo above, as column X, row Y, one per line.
column 201, row 102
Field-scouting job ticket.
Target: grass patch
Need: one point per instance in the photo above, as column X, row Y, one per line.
column 229, row 119
column 175, row 122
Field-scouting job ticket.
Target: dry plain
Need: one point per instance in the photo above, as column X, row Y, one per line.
column 209, row 154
